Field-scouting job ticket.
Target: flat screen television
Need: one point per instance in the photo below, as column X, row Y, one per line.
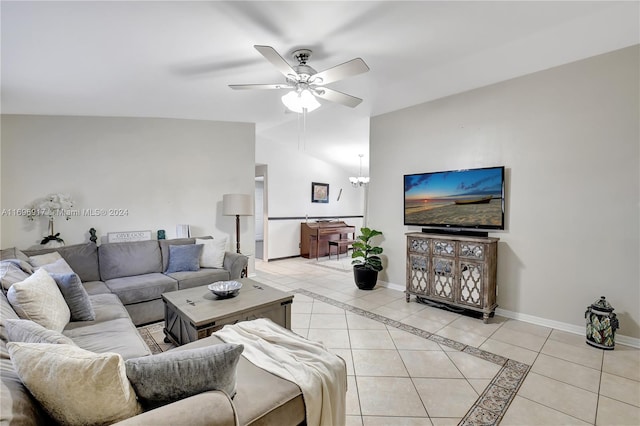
column 456, row 199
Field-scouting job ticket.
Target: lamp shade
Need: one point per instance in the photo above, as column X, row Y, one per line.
column 237, row 204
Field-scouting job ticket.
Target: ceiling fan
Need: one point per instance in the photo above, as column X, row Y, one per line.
column 304, row 83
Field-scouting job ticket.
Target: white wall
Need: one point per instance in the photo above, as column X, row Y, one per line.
column 163, row 171
column 290, row 174
column 569, row 138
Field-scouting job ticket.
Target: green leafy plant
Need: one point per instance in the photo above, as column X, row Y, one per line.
column 364, row 254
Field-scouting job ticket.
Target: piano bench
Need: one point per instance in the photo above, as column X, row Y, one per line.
column 339, row 244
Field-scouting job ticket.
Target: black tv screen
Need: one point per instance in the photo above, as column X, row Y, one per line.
column 472, row 198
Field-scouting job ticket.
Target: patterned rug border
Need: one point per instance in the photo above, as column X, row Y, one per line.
column 493, row 403
column 145, row 333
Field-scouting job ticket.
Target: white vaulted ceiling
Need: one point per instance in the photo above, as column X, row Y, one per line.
column 176, row 59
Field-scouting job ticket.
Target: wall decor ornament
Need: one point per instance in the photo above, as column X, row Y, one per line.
column 319, row 192
column 51, row 206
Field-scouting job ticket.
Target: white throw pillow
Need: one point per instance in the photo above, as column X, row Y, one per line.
column 212, row 252
column 59, row 266
column 75, row 386
column 39, row 299
column 43, row 259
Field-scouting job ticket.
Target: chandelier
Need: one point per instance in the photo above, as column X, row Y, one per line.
column 360, row 180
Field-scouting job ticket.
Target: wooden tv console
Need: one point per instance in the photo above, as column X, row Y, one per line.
column 455, row 270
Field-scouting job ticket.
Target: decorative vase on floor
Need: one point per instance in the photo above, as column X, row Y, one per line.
column 602, row 324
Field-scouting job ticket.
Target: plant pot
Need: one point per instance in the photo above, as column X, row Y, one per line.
column 365, row 278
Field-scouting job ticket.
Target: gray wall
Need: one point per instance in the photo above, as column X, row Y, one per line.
column 164, row 172
column 569, row 139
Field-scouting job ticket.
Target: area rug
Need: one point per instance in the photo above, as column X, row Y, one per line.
column 488, row 409
column 151, row 334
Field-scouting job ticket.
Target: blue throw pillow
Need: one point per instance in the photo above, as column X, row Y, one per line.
column 76, row 296
column 184, row 258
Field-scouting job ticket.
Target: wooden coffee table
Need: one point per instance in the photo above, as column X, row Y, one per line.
column 195, row 313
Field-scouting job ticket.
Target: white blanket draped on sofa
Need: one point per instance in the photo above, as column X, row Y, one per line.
column 321, row 375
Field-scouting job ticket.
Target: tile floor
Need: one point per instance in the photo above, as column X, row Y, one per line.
column 398, row 378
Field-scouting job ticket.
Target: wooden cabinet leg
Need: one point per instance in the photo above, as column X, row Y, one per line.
column 408, row 297
column 485, row 317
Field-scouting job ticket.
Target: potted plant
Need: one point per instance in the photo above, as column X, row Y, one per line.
column 366, row 262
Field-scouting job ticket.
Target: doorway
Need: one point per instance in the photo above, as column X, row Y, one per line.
column 261, row 212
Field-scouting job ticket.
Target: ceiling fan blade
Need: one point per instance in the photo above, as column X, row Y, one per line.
column 338, row 97
column 348, row 69
column 278, row 61
column 260, row 86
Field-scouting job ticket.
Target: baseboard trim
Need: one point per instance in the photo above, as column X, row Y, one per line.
column 562, row 326
column 557, row 325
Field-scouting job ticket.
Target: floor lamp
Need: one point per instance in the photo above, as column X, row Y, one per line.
column 237, row 205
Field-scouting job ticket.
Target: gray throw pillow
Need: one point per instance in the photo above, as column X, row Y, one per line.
column 19, row 330
column 76, row 297
column 184, row 258
column 170, row 376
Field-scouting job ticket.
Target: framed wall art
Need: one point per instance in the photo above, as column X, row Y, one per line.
column 319, row 192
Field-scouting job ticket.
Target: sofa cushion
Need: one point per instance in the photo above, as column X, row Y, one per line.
column 106, row 307
column 75, row 295
column 198, row 278
column 73, row 385
column 118, row 336
column 184, row 258
column 128, row 259
column 111, row 331
column 19, row 330
column 83, row 259
column 95, row 287
column 140, row 288
column 11, row 273
column 163, row 378
column 212, row 252
column 38, row 298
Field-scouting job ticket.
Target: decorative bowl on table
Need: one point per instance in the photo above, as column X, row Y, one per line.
column 225, row 289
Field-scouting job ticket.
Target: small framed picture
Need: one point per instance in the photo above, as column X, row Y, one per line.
column 319, row 192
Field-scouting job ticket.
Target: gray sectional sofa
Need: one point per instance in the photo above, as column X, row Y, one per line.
column 134, row 271
column 261, row 398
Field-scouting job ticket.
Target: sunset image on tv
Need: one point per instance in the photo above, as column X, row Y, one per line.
column 464, row 198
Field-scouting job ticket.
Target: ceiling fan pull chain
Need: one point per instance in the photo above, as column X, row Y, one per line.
column 298, row 120
column 304, row 129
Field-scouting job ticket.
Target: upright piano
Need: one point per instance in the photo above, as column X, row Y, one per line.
column 314, row 237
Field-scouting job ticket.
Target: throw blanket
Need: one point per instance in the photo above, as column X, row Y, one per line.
column 321, row 375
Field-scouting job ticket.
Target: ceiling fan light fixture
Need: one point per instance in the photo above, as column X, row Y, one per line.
column 298, row 101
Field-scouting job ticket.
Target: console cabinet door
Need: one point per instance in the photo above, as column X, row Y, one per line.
column 443, row 279
column 418, row 266
column 418, row 273
column 471, row 278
